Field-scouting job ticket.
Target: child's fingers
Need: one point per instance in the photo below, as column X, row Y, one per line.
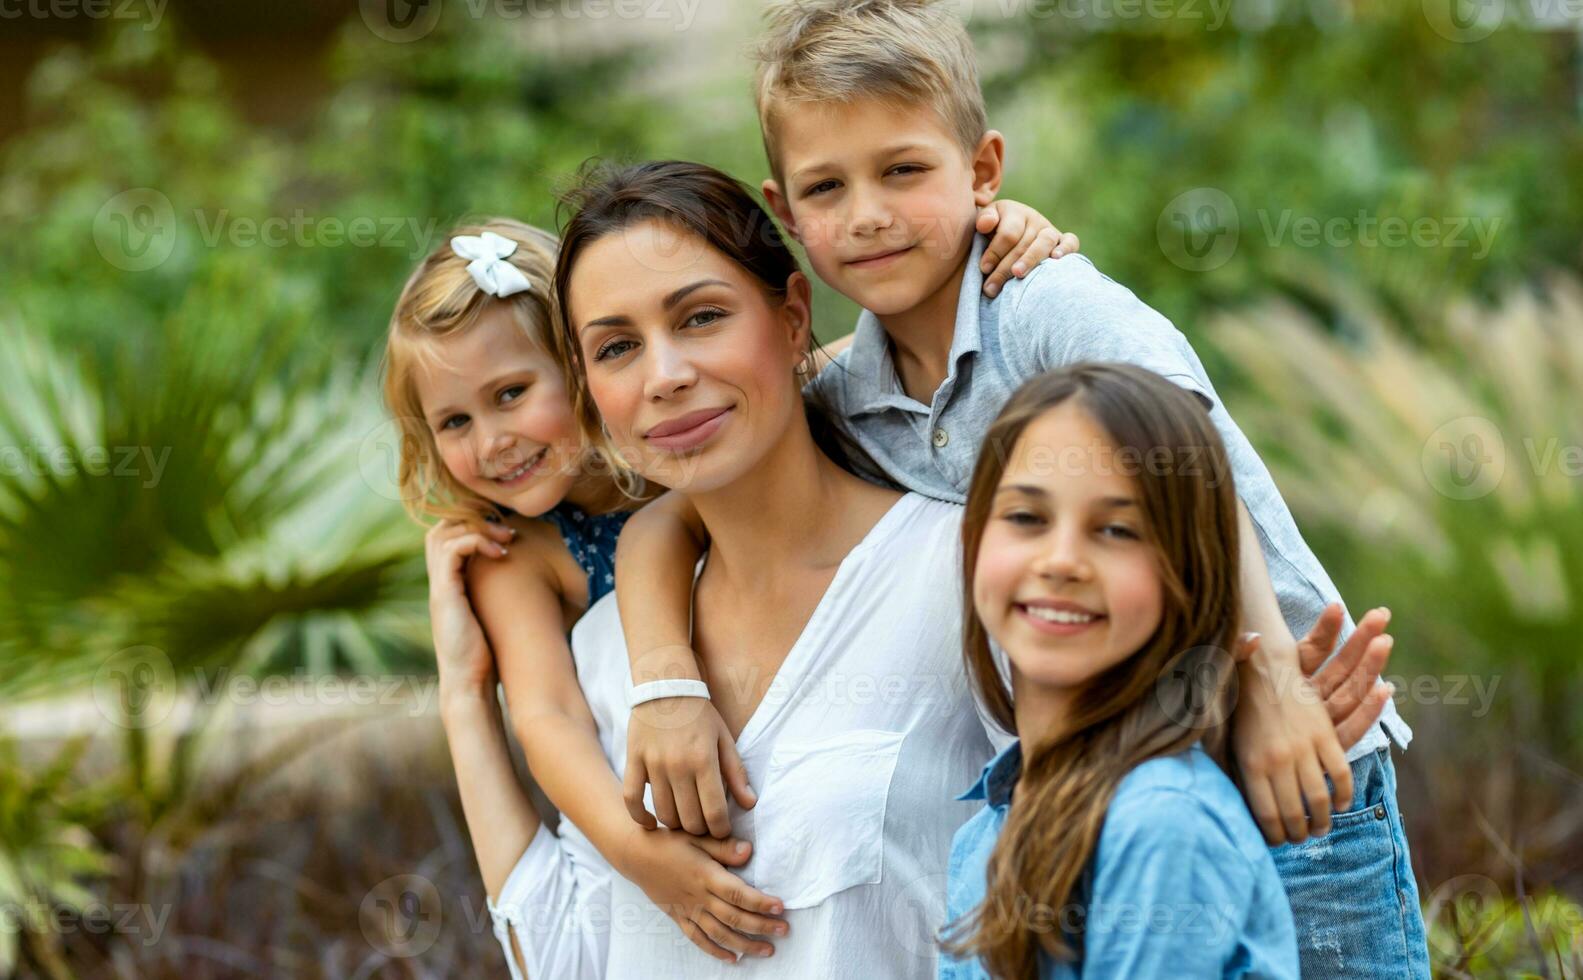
column 987, row 219
column 684, row 793
column 735, row 773
column 729, row 852
column 729, row 888
column 1289, row 802
column 747, row 922
column 1350, row 691
column 1321, row 639
column 664, row 803
column 632, row 792
column 1334, row 756
column 691, row 931
column 1008, row 232
column 712, row 801
column 1344, row 665
column 725, row 936
column 1356, row 725
column 1261, row 803
column 1040, row 248
column 1316, row 794
column 1068, row 245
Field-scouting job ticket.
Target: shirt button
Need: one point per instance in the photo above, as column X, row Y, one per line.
column 940, row 438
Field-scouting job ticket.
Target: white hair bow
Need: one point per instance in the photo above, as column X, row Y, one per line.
column 488, row 266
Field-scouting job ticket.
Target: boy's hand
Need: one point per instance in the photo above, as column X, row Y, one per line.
column 1290, row 728
column 715, row 909
column 683, row 747
column 1023, row 239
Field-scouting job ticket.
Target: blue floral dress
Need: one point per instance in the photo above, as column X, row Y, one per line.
column 591, row 538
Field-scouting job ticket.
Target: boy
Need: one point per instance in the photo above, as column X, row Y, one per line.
column 880, row 157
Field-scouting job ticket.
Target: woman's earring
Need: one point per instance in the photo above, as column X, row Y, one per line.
column 804, row 367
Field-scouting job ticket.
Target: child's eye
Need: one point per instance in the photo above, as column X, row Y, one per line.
column 820, row 188
column 613, row 348
column 453, row 422
column 906, row 168
column 704, row 317
column 512, row 393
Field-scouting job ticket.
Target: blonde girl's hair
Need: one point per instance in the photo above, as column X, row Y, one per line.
column 439, row 300
column 1174, row 691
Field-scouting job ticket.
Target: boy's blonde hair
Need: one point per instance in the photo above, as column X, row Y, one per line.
column 440, row 300
column 905, row 51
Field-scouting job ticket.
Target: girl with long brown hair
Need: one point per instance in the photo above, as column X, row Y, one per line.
column 1100, row 552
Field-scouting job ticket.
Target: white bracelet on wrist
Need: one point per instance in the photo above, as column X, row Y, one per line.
column 672, row 688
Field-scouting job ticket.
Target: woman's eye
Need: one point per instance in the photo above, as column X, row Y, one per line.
column 614, row 348
column 453, row 422
column 1022, row 518
column 512, row 393
column 1120, row 531
column 704, row 317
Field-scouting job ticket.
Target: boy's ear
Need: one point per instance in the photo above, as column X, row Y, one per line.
column 778, row 207
column 989, row 165
column 797, row 310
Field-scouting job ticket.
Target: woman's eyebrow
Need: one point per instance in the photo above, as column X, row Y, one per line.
column 682, row 293
column 670, row 300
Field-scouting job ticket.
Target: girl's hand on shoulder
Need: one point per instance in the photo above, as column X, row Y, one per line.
column 687, row 877
column 460, row 647
column 1022, row 239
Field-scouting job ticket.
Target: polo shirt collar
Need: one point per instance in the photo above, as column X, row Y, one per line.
column 999, row 777
column 870, row 362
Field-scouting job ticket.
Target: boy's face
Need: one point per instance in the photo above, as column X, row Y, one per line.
column 881, row 196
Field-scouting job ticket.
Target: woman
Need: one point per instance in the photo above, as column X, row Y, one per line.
column 825, row 612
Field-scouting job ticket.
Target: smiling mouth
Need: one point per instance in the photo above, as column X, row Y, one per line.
column 524, row 471
column 1063, row 621
column 875, row 261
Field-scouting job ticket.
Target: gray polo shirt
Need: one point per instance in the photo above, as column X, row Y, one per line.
column 1063, row 312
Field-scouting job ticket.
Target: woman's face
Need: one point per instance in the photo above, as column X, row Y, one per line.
column 688, row 359
column 1065, row 581
column 501, row 415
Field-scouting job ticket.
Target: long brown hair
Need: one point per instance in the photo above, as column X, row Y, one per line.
column 699, row 200
column 1174, row 691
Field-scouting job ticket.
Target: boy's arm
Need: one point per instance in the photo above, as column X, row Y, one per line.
column 1290, row 728
column 679, row 745
column 520, row 610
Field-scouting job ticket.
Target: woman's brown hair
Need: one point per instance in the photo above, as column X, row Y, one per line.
column 699, row 200
column 1174, row 691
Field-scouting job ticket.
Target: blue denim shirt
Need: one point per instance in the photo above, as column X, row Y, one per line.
column 1181, row 884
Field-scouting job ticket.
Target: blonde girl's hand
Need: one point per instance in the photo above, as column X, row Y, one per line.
column 687, row 877
column 1022, row 239
column 460, row 647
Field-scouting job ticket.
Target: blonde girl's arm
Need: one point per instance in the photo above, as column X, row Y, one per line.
column 500, row 819
column 521, row 610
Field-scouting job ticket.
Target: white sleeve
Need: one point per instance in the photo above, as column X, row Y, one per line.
column 559, row 910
